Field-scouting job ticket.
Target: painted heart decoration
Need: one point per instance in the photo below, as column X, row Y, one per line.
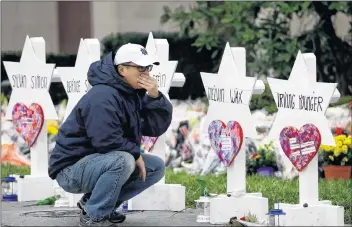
column 147, row 143
column 226, row 140
column 300, row 146
column 28, row 121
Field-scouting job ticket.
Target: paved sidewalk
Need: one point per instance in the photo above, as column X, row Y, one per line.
column 27, row 214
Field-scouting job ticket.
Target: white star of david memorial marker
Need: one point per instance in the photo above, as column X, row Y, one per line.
column 160, row 196
column 301, row 100
column 75, row 82
column 74, row 79
column 163, row 74
column 229, row 93
column 30, row 80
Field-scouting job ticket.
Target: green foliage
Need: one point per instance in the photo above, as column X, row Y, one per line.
column 203, row 189
column 265, row 157
column 4, row 100
column 342, row 100
column 276, row 190
column 251, row 218
column 264, row 101
column 263, row 28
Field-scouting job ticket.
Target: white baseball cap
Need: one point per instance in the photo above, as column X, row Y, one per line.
column 134, row 53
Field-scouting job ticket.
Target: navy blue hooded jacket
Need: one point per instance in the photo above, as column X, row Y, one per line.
column 112, row 116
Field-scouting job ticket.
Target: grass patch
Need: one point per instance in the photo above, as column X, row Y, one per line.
column 285, row 191
column 7, row 169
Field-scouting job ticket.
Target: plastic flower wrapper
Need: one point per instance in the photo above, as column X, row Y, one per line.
column 147, row 143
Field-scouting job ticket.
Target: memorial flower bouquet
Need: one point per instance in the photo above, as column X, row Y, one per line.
column 339, row 155
column 338, row 159
column 263, row 161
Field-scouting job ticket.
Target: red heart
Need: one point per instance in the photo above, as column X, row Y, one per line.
column 147, row 143
column 28, row 121
column 300, row 146
column 226, row 140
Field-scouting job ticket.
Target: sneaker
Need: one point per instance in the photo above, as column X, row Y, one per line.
column 85, row 220
column 114, row 217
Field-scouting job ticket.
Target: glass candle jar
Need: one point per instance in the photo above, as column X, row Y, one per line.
column 9, row 189
column 274, row 216
column 203, row 205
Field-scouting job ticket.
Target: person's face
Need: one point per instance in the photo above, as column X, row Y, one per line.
column 131, row 72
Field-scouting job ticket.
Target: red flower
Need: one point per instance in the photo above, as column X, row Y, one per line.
column 243, row 219
column 338, row 131
column 254, row 156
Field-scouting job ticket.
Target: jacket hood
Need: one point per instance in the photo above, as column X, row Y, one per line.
column 104, row 72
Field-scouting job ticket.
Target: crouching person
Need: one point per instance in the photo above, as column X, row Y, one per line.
column 97, row 149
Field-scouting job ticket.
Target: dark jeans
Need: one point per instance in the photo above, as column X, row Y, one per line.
column 109, row 179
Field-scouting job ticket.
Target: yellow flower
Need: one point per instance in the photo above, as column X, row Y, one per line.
column 337, row 152
column 345, row 159
column 342, row 137
column 323, row 148
column 52, row 123
column 349, row 138
column 331, row 158
column 339, row 143
column 53, row 130
column 347, row 141
column 336, row 139
column 326, row 148
column 344, row 149
column 52, row 127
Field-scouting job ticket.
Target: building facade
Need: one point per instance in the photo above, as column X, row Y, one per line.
column 63, row 24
